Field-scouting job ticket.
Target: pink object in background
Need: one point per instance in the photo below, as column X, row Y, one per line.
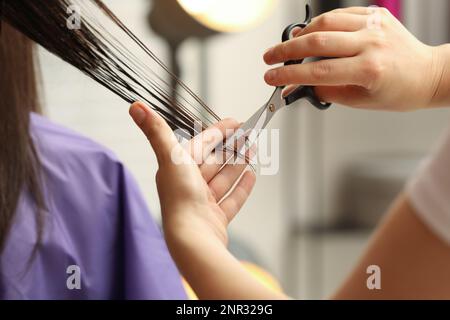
column 394, row 6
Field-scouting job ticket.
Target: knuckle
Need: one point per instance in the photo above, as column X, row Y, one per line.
column 283, row 52
column 278, row 53
column 287, row 75
column 155, row 127
column 373, row 71
column 320, row 70
column 378, row 41
column 318, row 40
column 326, row 20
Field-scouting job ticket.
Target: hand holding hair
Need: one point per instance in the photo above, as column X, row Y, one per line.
column 194, row 194
column 197, row 207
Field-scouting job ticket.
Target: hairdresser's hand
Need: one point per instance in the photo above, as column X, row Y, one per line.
column 378, row 64
column 189, row 190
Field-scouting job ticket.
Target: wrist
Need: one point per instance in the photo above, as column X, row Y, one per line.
column 191, row 225
column 191, row 247
column 440, row 95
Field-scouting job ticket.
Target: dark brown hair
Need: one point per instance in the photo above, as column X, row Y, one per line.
column 19, row 96
column 94, row 48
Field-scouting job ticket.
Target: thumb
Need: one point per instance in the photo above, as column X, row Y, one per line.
column 156, row 129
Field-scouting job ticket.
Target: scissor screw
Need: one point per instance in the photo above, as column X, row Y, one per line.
column 272, row 108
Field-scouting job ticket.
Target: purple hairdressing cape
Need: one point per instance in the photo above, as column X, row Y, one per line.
column 97, row 223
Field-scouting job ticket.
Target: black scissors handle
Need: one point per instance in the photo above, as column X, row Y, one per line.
column 302, row 92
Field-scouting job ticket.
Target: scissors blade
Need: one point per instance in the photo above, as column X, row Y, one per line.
column 256, row 121
column 240, row 137
column 247, row 134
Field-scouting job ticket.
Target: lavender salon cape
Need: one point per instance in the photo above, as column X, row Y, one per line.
column 99, row 240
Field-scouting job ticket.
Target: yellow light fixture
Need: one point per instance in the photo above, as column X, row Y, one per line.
column 228, row 15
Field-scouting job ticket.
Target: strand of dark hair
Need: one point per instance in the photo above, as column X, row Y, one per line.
column 96, row 51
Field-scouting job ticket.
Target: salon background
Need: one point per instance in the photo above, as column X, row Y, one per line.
column 338, row 169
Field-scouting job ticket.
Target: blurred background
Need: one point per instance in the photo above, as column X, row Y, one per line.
column 339, row 169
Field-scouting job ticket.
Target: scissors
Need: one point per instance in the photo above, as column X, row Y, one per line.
column 252, row 128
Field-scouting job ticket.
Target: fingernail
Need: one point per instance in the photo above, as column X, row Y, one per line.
column 138, row 113
column 270, row 76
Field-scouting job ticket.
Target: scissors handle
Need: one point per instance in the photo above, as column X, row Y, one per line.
column 302, row 92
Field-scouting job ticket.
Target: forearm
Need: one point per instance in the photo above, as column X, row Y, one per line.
column 441, row 87
column 213, row 273
column 414, row 262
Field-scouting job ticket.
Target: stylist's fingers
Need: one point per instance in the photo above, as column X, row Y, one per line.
column 225, row 155
column 234, row 202
column 156, row 129
column 330, row 72
column 225, row 179
column 355, row 10
column 332, row 21
column 201, row 146
column 318, row 44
